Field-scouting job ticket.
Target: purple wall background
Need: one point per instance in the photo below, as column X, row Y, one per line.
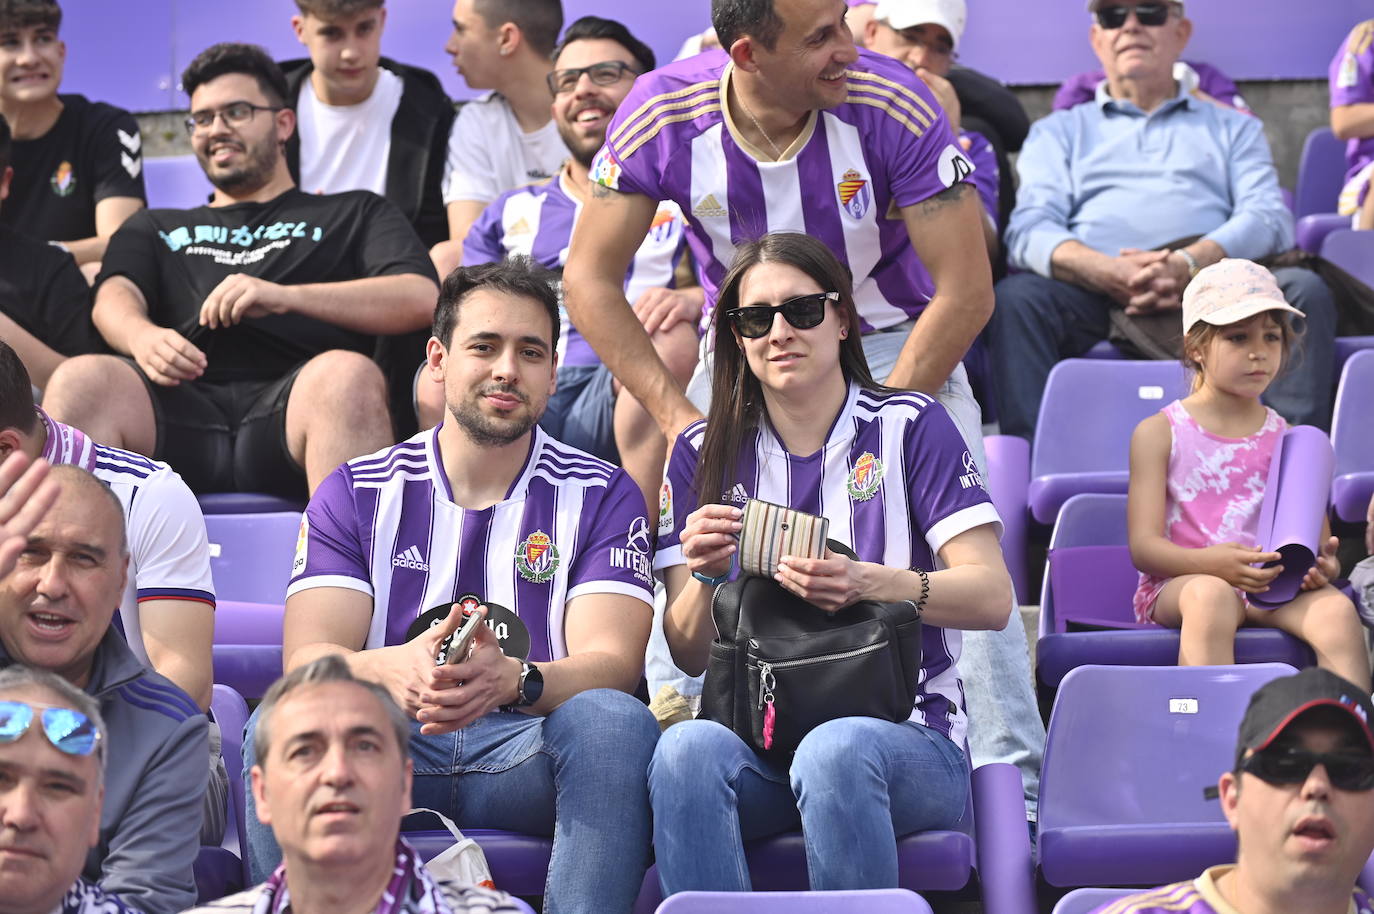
column 133, row 60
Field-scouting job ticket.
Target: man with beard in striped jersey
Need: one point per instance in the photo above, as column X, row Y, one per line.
column 532, row 729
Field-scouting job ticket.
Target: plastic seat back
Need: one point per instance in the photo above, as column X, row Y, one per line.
column 1089, row 579
column 870, row 901
column 1082, row 901
column 1083, row 435
column 1353, row 252
column 1128, row 754
column 1352, row 437
column 1321, row 171
column 251, row 555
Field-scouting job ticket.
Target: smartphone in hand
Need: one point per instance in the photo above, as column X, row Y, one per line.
column 454, row 648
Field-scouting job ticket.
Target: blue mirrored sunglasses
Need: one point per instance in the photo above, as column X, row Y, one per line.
column 70, row 731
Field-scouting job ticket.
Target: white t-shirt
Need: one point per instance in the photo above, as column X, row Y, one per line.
column 488, row 153
column 346, row 147
column 169, row 551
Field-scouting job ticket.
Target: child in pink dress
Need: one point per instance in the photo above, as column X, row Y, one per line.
column 1198, row 472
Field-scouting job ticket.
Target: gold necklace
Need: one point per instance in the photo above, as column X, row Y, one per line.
column 777, row 153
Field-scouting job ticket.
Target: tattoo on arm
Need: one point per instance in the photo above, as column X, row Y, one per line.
column 931, row 205
column 600, row 191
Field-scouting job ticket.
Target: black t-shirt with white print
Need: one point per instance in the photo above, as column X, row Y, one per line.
column 94, row 151
column 177, row 257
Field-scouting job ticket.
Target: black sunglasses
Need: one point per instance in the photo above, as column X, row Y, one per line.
column 1347, row 770
column 802, row 312
column 1114, row 17
column 606, row 73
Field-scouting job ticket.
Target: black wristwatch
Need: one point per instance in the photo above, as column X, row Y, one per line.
column 531, row 685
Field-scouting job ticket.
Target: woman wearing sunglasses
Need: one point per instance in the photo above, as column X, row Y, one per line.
column 797, row 419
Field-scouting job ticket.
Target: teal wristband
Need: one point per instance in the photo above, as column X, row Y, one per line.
column 716, row 581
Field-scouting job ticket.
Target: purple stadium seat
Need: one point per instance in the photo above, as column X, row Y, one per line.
column 1008, row 477
column 1320, row 173
column 1081, row 901
column 1086, row 615
column 1346, row 346
column 997, row 851
column 1313, row 229
column 1103, row 349
column 248, row 668
column 220, row 870
column 250, row 557
column 251, row 554
column 246, row 503
column 1352, row 436
column 175, row 182
column 870, row 901
column 1128, row 754
column 231, row 713
column 1353, row 252
column 1083, row 434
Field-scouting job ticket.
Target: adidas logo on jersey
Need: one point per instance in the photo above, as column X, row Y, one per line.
column 708, row 208
column 738, row 495
column 410, row 558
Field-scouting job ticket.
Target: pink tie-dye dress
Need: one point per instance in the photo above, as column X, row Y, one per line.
column 1215, row 488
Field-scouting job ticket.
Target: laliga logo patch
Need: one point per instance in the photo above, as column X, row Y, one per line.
column 605, row 171
column 865, row 477
column 854, row 194
column 954, row 166
column 302, row 538
column 536, row 558
column 665, row 509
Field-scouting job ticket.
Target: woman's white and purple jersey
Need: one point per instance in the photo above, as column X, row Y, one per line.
column 538, row 221
column 386, row 525
column 895, row 480
column 843, row 180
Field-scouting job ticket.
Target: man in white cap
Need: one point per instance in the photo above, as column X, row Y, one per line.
column 923, row 34
column 916, row 32
column 1122, row 201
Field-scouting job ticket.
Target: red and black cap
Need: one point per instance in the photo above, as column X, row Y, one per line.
column 1279, row 702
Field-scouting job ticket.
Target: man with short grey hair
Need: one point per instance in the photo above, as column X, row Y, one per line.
column 52, row 759
column 1122, row 201
column 332, row 778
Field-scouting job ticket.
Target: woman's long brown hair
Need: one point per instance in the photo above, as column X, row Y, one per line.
column 736, row 395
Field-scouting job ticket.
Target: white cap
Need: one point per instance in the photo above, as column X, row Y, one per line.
column 1232, row 290
column 903, row 14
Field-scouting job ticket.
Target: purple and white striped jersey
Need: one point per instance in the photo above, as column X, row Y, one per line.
column 1200, row 896
column 537, row 221
column 169, row 551
column 888, row 145
column 386, row 525
column 895, row 480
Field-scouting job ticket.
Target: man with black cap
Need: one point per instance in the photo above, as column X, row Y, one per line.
column 1301, row 801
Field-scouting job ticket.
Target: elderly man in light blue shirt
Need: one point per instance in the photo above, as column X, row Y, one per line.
column 1110, row 192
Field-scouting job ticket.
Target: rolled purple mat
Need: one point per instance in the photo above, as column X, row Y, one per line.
column 1295, row 499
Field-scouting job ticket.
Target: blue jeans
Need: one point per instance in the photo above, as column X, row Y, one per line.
column 1039, row 321
column 1004, row 718
column 855, row 784
column 576, row 774
column 581, row 412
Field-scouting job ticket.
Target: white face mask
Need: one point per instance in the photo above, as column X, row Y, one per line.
column 463, row 863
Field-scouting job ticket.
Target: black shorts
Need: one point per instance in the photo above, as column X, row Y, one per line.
column 229, row 436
